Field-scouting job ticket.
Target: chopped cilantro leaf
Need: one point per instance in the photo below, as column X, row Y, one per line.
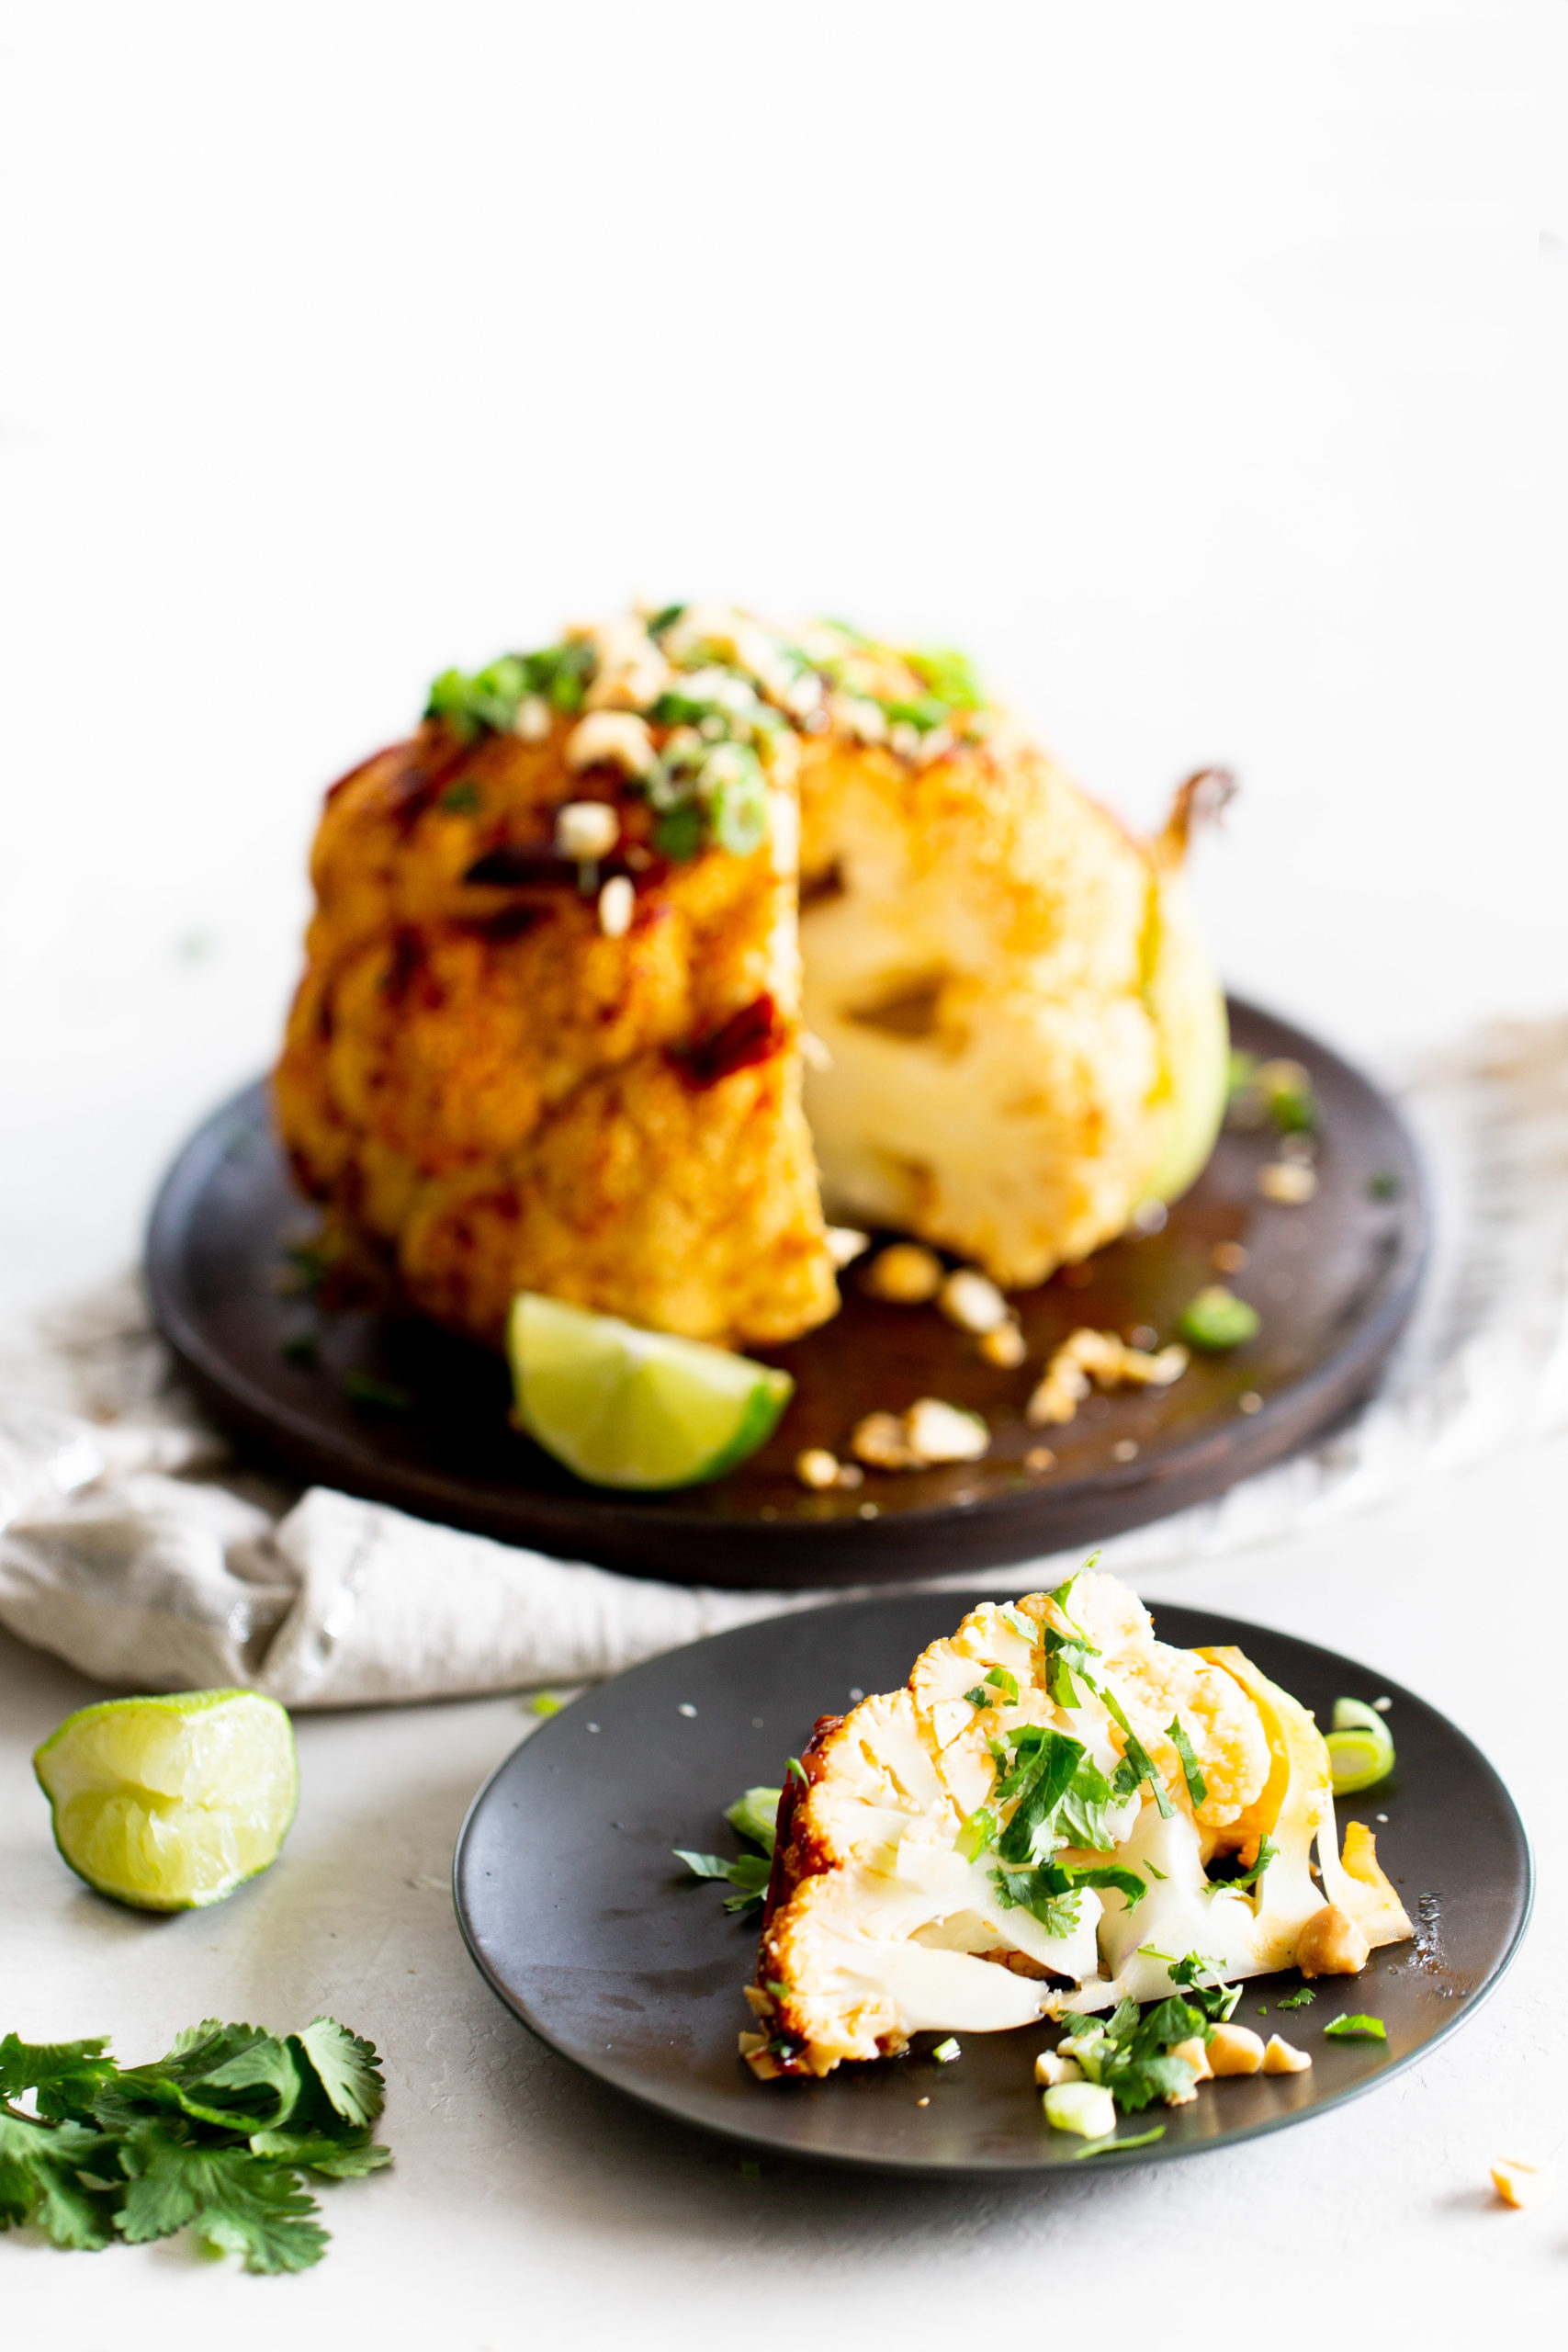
column 1136, row 1766
column 748, row 1873
column 1197, row 1787
column 949, row 674
column 1302, row 1999
column 666, row 617
column 1000, row 1680
column 1356, row 2028
column 136, row 2155
column 1017, row 1622
column 1245, row 1882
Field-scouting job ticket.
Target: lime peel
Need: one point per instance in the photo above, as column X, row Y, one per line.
column 623, row 1407
column 170, row 1802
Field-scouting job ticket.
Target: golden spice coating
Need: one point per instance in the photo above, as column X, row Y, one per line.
column 479, row 1080
column 549, row 1032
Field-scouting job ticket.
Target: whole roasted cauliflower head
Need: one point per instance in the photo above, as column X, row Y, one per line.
column 551, row 1033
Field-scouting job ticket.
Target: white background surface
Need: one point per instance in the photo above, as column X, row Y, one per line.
column 1203, row 369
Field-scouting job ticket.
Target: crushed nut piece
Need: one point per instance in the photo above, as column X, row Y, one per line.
column 1235, row 2049
column 816, row 1467
column 617, row 904
column 1004, row 1346
column 586, row 829
column 1520, row 2184
column 1331, row 1944
column 906, row 1274
column 617, row 739
column 845, row 1244
column 879, row 1438
column 533, row 721
column 972, row 1301
column 937, row 1432
column 1101, row 1356
column 930, row 1431
column 1283, row 2057
column 1287, row 1182
column 1195, row 2051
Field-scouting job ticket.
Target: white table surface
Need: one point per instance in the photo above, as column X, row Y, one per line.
column 1204, row 370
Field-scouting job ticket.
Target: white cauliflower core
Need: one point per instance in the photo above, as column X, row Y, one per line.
column 888, row 1913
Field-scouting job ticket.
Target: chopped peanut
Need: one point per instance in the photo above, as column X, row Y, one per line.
column 1086, row 1355
column 816, row 1467
column 1283, row 2058
column 1287, row 1182
column 617, row 739
column 1004, row 1347
column 879, row 1440
column 937, row 1432
column 1196, row 2053
column 586, row 829
column 1331, row 1944
column 1235, row 2049
column 973, row 1301
column 906, row 1274
column 845, row 1244
column 1519, row 2184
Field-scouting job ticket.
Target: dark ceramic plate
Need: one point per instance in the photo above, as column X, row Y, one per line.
column 1334, row 1282
column 576, row 1912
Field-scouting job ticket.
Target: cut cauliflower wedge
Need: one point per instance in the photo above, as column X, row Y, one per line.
column 1016, row 1833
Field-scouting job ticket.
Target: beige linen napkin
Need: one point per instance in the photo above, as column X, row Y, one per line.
column 136, row 1547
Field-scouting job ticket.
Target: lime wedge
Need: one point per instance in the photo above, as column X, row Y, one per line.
column 170, row 1803
column 627, row 1408
column 1360, row 1749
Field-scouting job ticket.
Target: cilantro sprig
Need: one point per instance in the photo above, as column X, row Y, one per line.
column 753, row 1815
column 214, row 2135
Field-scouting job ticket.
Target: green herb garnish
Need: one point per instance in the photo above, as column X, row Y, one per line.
column 1216, row 1319
column 944, row 2053
column 1303, row 1998
column 748, row 1873
column 215, row 2136
column 1356, row 2028
column 377, row 1395
column 461, row 800
column 1197, row 1787
column 1245, row 1882
column 950, row 675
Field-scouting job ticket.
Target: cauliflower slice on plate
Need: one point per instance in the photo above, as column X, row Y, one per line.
column 1016, row 1832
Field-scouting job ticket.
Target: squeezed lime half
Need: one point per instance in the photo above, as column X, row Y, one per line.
column 170, row 1803
column 627, row 1408
column 1360, row 1748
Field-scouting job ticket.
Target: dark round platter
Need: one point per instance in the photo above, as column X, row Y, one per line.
column 399, row 1411
column 578, row 1914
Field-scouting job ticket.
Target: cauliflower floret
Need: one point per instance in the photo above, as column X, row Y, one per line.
column 1156, row 1684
